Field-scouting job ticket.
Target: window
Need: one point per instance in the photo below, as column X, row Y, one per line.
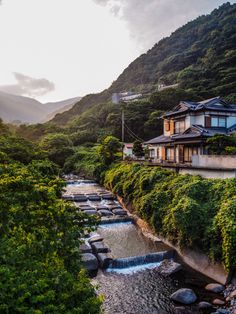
column 179, row 126
column 218, row 122
column 170, row 154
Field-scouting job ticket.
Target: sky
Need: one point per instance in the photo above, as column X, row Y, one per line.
column 57, row 49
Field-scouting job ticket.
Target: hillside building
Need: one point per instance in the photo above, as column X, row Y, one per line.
column 186, row 129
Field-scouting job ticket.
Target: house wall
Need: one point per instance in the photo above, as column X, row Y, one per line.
column 209, row 173
column 214, row 161
column 128, row 151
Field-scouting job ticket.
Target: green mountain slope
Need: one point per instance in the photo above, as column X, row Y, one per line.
column 200, row 56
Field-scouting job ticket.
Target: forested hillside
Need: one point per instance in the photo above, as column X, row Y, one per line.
column 200, row 56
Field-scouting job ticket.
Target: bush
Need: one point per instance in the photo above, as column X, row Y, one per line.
column 188, row 210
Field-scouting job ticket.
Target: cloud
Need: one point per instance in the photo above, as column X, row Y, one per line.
column 150, row 20
column 28, row 86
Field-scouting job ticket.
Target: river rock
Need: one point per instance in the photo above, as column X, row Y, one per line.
column 204, row 305
column 85, row 248
column 89, row 261
column 99, row 247
column 215, row 287
column 184, row 296
column 168, row 268
column 104, row 260
column 105, row 212
column 218, row 302
column 232, row 294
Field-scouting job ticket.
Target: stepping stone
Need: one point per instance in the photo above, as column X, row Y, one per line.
column 87, row 208
column 104, row 260
column 90, row 212
column 89, row 261
column 108, row 196
column 105, row 212
column 68, row 197
column 119, row 212
column 100, row 207
column 80, row 198
column 96, row 238
column 94, row 197
column 99, row 247
column 85, row 248
column 115, row 207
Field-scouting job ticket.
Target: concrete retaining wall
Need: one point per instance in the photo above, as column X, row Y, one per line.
column 195, row 259
column 214, row 161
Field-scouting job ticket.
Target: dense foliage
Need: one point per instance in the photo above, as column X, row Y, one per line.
column 200, row 56
column 188, row 210
column 40, row 264
column 222, row 144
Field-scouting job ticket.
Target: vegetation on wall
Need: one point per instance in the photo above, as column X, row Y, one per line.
column 190, row 211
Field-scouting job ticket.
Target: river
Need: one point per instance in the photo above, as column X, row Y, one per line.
column 136, row 286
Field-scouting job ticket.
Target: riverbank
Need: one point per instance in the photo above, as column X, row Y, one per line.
column 140, row 276
column 196, row 216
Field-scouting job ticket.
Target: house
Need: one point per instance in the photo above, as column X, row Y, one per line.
column 188, row 126
column 128, row 152
column 125, row 97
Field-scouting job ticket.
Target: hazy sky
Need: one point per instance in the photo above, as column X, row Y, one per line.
column 58, row 49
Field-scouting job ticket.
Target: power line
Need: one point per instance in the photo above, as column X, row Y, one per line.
column 134, row 135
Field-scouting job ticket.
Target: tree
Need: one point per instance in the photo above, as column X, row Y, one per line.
column 222, row 144
column 58, row 147
column 108, row 149
column 138, row 149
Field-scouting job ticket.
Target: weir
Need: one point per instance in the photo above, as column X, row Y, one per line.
column 152, row 258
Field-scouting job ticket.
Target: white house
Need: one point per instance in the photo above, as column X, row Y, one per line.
column 188, row 126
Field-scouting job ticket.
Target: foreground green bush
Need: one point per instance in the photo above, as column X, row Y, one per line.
column 188, row 210
column 40, row 265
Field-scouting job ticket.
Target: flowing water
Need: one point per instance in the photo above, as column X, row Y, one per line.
column 134, row 283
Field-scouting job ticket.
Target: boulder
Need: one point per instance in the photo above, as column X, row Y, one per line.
column 104, row 260
column 184, row 296
column 215, row 287
column 218, row 302
column 204, row 305
column 89, row 261
column 99, row 247
column 85, row 248
column 105, row 212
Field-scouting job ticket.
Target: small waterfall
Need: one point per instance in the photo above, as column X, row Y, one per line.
column 151, row 258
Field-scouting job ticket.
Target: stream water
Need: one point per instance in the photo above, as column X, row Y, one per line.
column 136, row 285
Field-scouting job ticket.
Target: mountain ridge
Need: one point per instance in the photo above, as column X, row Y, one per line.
column 21, row 109
column 199, row 56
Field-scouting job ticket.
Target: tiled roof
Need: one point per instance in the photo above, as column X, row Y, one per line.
column 215, row 103
column 160, row 139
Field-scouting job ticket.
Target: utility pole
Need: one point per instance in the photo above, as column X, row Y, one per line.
column 123, row 123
